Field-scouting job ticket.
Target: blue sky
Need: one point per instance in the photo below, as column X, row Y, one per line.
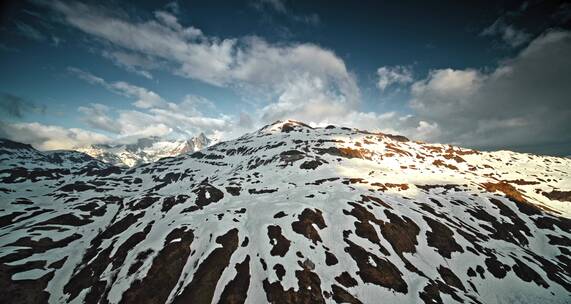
column 483, row 75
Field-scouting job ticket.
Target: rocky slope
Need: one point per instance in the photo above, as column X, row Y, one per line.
column 145, row 150
column 289, row 214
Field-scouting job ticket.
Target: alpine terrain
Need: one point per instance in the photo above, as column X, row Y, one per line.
column 145, row 150
column 287, row 214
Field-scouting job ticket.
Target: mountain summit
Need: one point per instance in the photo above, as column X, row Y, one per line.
column 145, row 150
column 288, row 214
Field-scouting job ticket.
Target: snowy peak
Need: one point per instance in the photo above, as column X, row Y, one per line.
column 145, row 150
column 195, row 144
column 293, row 214
column 284, row 126
column 201, row 140
column 290, row 125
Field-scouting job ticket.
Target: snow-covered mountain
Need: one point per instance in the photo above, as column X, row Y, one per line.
column 289, row 214
column 145, row 150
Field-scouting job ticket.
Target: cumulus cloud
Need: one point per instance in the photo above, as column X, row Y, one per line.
column 47, row 137
column 281, row 73
column 393, row 75
column 308, row 99
column 96, row 115
column 445, row 90
column 195, row 56
column 155, row 115
column 50, row 137
column 137, row 124
column 145, row 98
column 509, row 34
column 181, row 120
column 301, row 80
column 523, row 102
column 250, row 65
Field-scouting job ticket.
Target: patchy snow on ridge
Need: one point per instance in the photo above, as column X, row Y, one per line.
column 289, row 214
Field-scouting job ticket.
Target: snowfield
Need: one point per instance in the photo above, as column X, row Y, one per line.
column 287, row 214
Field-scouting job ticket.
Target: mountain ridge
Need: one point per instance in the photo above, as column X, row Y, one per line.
column 291, row 214
column 145, row 150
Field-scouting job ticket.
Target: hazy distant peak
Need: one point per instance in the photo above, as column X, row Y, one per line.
column 145, row 150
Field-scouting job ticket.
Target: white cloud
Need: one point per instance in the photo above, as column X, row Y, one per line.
column 194, row 104
column 307, row 99
column 88, row 77
column 281, row 72
column 197, row 57
column 171, row 21
column 49, row 137
column 392, row 123
column 155, row 115
column 393, row 75
column 137, row 124
column 523, row 102
column 168, row 123
column 445, row 90
column 301, row 81
column 145, row 98
column 132, row 62
column 507, row 106
column 96, row 116
column 249, row 65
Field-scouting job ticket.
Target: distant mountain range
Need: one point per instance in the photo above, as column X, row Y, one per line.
column 145, row 150
column 286, row 214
